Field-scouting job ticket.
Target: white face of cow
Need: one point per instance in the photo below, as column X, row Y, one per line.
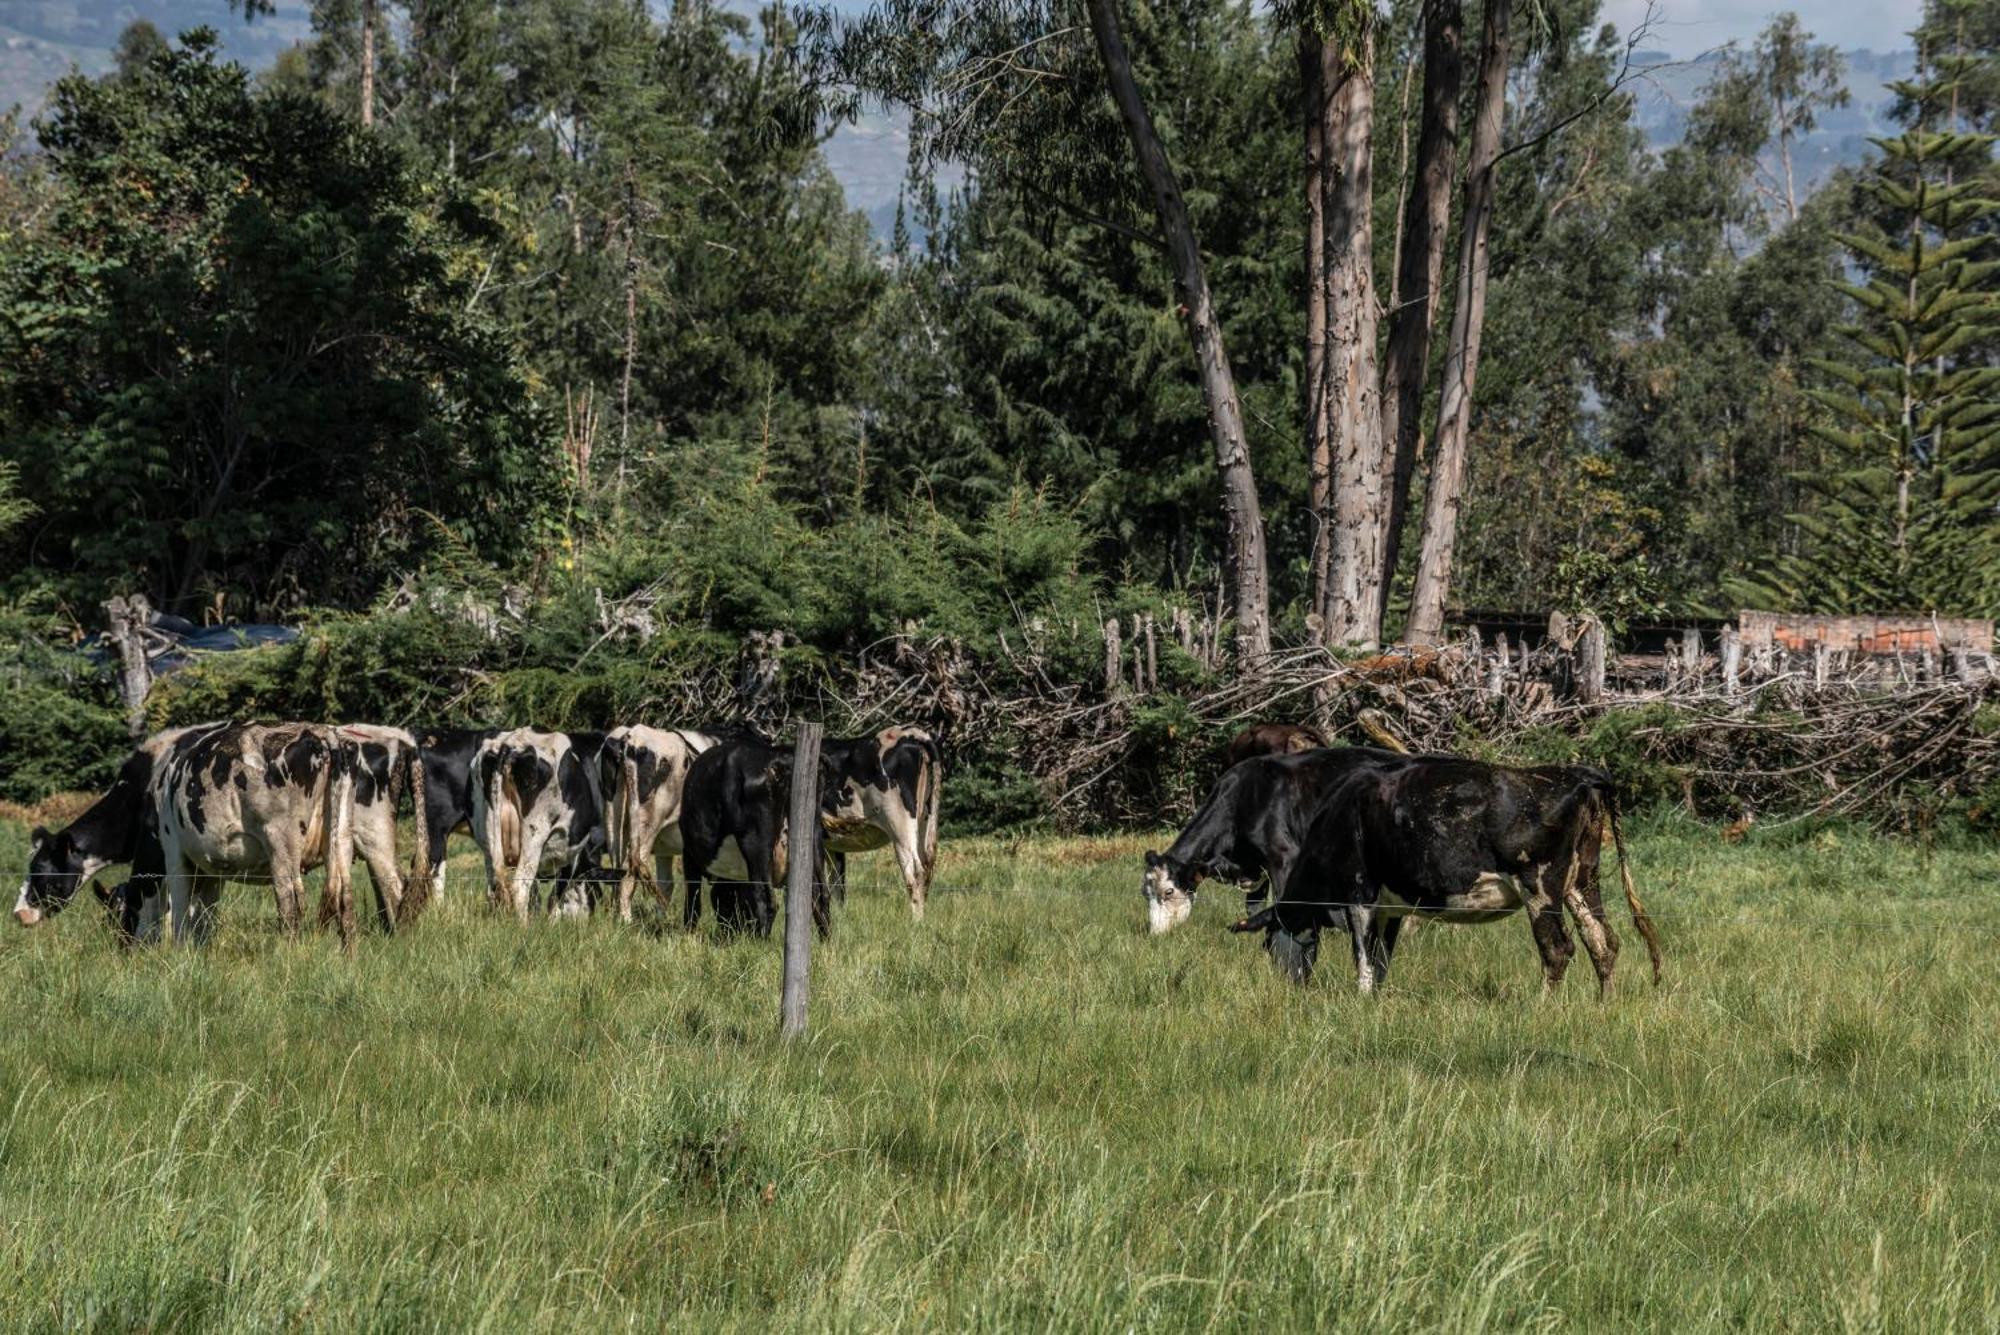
column 1169, row 902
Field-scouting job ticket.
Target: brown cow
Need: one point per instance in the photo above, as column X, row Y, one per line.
column 1270, row 739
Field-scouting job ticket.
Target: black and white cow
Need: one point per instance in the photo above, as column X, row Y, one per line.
column 1462, row 841
column 447, row 758
column 735, row 808
column 642, row 774
column 536, row 810
column 1252, row 825
column 883, row 790
column 107, row 834
column 256, row 801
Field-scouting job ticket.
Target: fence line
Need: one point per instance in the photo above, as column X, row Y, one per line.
column 1764, row 917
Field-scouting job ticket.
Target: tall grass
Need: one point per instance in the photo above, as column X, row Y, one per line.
column 1022, row 1113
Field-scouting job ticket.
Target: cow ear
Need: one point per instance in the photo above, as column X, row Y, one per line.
column 1152, row 858
column 38, row 836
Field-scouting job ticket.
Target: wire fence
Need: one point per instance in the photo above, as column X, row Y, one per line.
column 1956, row 911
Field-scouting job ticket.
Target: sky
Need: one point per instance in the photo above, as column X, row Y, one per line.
column 1688, row 27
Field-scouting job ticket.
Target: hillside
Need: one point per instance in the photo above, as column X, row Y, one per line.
column 41, row 39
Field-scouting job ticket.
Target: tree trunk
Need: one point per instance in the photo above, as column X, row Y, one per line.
column 631, row 324
column 1461, row 367
column 367, row 63
column 1355, row 591
column 1218, row 382
column 1319, row 446
column 1420, row 264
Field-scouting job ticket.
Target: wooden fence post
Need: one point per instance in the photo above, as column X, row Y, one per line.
column 128, row 618
column 1114, row 657
column 801, row 834
column 1152, row 656
column 1590, row 654
column 1691, row 657
column 1732, row 661
column 1496, row 674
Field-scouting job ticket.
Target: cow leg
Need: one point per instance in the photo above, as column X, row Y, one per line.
column 521, row 889
column 1294, row 951
column 691, row 909
column 203, row 896
column 388, row 878
column 822, row 907
column 1586, row 905
column 758, row 864
column 1382, row 942
column 180, row 881
column 1364, row 927
column 289, row 891
column 1545, row 916
column 662, row 881
column 911, row 862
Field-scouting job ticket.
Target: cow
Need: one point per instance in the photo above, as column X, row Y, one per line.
column 642, row 773
column 735, row 808
column 535, row 806
column 1459, row 840
column 1270, row 739
column 1252, row 825
column 447, row 758
column 249, row 801
column 884, row 790
column 108, row 833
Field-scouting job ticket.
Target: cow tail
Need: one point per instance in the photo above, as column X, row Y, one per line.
column 1639, row 918
column 417, row 893
column 338, row 896
column 930, row 797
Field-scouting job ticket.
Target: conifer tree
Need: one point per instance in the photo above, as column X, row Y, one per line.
column 1905, row 514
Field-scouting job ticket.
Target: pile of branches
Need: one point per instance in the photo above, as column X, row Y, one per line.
column 1784, row 747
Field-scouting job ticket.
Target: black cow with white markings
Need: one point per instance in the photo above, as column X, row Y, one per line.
column 876, row 791
column 1459, row 840
column 108, row 833
column 536, row 810
column 1252, row 825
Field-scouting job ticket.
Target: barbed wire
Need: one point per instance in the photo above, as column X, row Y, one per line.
column 1914, row 914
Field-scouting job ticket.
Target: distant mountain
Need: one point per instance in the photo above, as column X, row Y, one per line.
column 41, row 40
column 1668, row 88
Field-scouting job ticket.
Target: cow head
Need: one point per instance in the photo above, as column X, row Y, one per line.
column 1169, row 888
column 57, row 868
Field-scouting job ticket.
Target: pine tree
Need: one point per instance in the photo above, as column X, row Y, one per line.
column 1905, row 517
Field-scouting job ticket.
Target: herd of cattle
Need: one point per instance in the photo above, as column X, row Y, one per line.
column 1343, row 837
column 195, row 807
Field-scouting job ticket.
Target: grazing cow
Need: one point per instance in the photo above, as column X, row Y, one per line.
column 735, row 807
column 108, row 833
column 1270, row 739
column 1252, row 825
column 883, row 789
column 1462, row 841
column 273, row 800
column 447, row 759
column 642, row 773
column 535, row 806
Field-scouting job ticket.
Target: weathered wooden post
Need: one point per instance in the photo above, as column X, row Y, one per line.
column 1961, row 664
column 1590, row 655
column 801, row 835
column 1152, row 656
column 127, row 619
column 1732, row 661
column 1114, row 656
column 1691, row 657
column 1820, row 657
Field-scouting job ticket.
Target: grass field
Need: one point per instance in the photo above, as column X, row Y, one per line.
column 1023, row 1113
